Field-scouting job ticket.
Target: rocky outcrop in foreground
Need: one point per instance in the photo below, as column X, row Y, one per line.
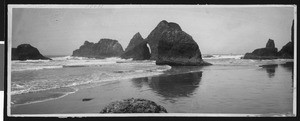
column 137, row 49
column 133, row 106
column 175, row 47
column 103, row 49
column 269, row 52
column 27, row 52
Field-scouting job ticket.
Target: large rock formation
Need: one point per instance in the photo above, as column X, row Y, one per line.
column 133, row 106
column 103, row 49
column 137, row 49
column 269, row 52
column 287, row 50
column 27, row 52
column 172, row 46
column 156, row 34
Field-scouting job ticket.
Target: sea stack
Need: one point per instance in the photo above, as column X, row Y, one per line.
column 287, row 50
column 172, row 46
column 155, row 36
column 103, row 49
column 137, row 49
column 27, row 52
column 269, row 52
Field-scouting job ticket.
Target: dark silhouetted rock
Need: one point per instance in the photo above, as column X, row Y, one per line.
column 135, row 40
column 133, row 106
column 269, row 52
column 27, row 52
column 270, row 44
column 155, row 35
column 292, row 32
column 177, row 48
column 137, row 49
column 103, row 49
column 287, row 50
column 87, row 99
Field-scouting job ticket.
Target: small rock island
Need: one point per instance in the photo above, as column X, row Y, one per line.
column 270, row 52
column 105, row 48
column 27, row 52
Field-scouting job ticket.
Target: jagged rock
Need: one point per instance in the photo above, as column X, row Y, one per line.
column 27, row 52
column 269, row 52
column 176, row 48
column 270, row 44
column 135, row 40
column 137, row 49
column 103, row 49
column 155, row 35
column 132, row 105
column 287, row 50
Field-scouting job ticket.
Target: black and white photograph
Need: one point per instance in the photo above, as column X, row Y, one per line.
column 151, row 60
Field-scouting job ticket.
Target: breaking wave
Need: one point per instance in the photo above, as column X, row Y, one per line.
column 72, row 76
column 222, row 56
column 60, row 62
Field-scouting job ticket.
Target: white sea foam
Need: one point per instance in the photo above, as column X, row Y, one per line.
column 59, row 62
column 224, row 57
column 71, row 58
column 30, row 61
column 35, row 68
column 115, row 71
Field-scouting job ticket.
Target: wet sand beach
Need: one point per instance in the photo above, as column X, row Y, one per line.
column 239, row 89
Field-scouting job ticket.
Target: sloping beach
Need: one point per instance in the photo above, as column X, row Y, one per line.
column 230, row 86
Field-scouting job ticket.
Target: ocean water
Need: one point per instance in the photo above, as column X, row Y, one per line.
column 230, row 85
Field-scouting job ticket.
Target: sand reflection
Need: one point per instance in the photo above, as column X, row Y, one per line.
column 171, row 86
column 270, row 69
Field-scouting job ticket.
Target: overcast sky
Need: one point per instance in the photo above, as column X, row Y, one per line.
column 217, row 30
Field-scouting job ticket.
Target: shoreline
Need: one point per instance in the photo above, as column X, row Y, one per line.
column 148, row 87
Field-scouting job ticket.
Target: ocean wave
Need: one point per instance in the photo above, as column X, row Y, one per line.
column 60, row 62
column 48, row 83
column 223, row 56
column 44, row 85
column 71, row 58
column 35, row 68
column 30, row 61
column 41, row 96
